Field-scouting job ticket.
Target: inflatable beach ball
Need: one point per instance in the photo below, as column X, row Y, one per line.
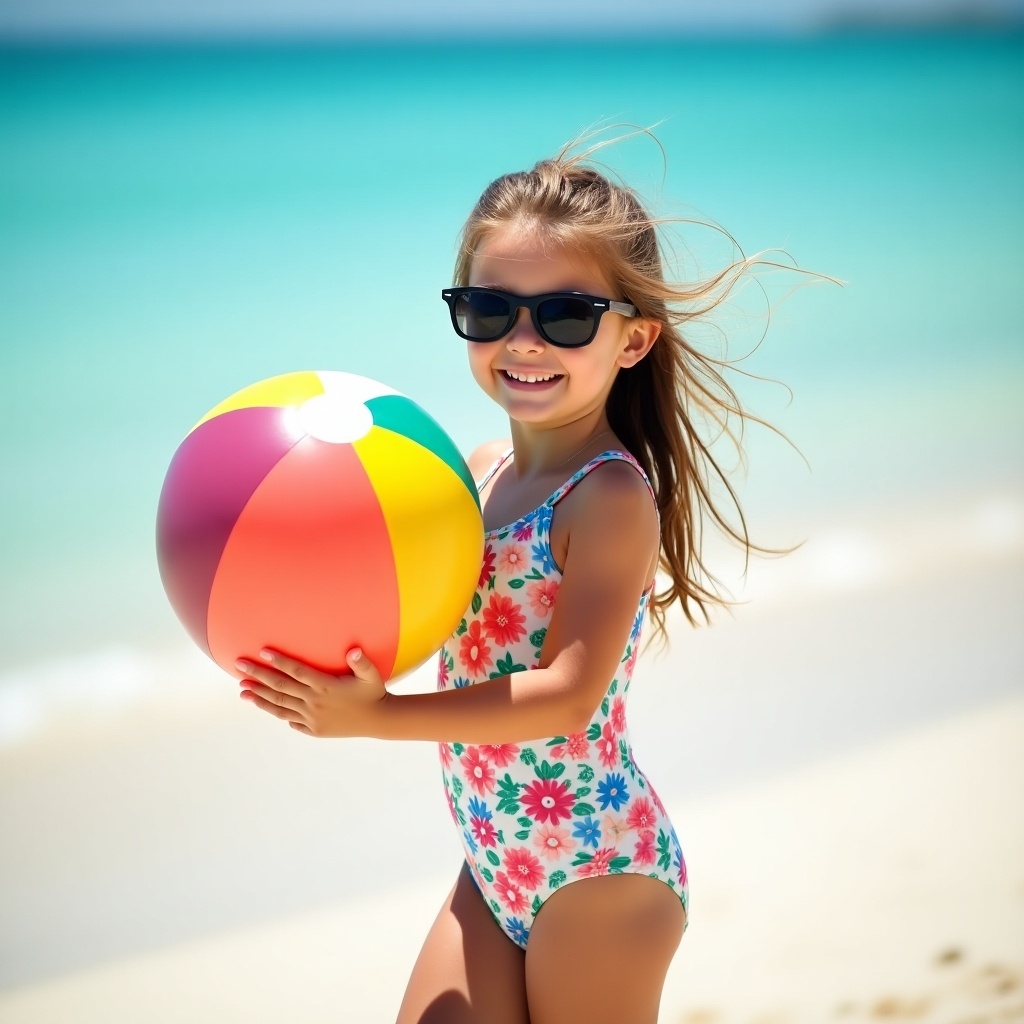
column 315, row 512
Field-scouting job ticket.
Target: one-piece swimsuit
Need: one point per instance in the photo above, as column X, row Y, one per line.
column 539, row 814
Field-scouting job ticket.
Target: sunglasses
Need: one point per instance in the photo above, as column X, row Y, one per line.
column 565, row 319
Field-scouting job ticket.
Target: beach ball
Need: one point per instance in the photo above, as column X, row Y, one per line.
column 315, row 512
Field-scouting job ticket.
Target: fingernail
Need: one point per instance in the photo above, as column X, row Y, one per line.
column 242, row 666
column 355, row 654
column 267, row 655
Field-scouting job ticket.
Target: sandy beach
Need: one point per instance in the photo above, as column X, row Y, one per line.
column 844, row 757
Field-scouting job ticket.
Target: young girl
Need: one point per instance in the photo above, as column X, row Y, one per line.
column 572, row 897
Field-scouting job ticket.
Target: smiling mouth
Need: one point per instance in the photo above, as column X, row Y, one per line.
column 531, row 378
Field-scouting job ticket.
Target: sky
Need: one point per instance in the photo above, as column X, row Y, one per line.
column 530, row 18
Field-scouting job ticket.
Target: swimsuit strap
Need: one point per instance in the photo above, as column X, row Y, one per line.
column 495, row 466
column 611, row 455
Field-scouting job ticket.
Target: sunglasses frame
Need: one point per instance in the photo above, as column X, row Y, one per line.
column 599, row 305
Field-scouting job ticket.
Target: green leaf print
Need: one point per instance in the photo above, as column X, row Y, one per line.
column 555, row 740
column 536, row 905
column 604, row 707
column 613, row 687
column 462, row 629
column 624, row 755
column 582, row 792
column 501, row 836
column 525, row 822
column 485, row 873
column 491, row 582
column 537, row 637
column 506, row 666
column 460, row 814
column 583, row 809
column 556, row 879
column 457, row 787
column 664, row 853
column 616, row 864
column 508, row 795
column 450, row 664
column 493, row 858
column 516, row 584
column 496, row 909
column 534, row 574
column 582, row 858
column 594, row 732
column 549, row 771
column 586, row 773
column 478, row 603
column 525, row 834
column 528, row 756
column 458, row 749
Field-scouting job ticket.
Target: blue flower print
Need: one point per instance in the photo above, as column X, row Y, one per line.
column 542, row 554
column 588, row 831
column 478, row 809
column 638, row 624
column 612, row 792
column 460, row 683
column 519, row 932
column 470, row 841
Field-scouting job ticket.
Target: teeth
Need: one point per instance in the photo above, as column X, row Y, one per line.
column 531, row 378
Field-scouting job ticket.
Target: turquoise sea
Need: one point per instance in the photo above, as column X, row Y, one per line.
column 179, row 221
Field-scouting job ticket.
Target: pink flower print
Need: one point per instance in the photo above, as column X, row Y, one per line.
column 483, row 831
column 607, row 747
column 513, row 559
column 474, row 650
column 523, row 868
column 479, row 772
column 542, row 597
column 503, row 620
column 553, row 842
column 446, row 755
column 548, row 800
column 502, row 754
column 644, row 849
column 614, row 827
column 641, row 815
column 576, row 746
column 523, row 530
column 487, row 569
column 509, row 893
column 451, row 806
column 682, row 872
column 598, row 864
column 442, row 673
column 631, row 662
column 618, row 715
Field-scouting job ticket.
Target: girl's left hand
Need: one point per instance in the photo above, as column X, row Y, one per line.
column 315, row 702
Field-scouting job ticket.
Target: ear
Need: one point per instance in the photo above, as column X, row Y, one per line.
column 641, row 334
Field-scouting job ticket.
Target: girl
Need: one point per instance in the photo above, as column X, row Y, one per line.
column 572, row 897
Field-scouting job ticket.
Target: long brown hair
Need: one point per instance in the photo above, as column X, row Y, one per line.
column 671, row 406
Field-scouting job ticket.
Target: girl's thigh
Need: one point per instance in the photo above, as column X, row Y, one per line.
column 468, row 971
column 599, row 951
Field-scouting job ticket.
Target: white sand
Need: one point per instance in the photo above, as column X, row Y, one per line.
column 845, row 766
column 885, row 884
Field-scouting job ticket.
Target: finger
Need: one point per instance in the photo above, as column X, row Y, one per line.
column 362, row 667
column 272, row 678
column 272, row 696
column 287, row 714
column 297, row 670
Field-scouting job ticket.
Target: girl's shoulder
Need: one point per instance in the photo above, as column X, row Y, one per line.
column 485, row 455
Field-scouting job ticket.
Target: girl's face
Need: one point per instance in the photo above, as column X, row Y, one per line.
column 568, row 383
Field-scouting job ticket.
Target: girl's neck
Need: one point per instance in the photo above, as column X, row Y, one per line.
column 554, row 451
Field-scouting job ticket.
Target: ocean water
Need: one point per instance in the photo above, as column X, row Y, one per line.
column 178, row 222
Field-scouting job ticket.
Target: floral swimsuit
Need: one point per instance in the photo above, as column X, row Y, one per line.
column 537, row 815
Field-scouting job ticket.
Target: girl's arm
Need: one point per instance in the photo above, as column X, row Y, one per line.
column 613, row 535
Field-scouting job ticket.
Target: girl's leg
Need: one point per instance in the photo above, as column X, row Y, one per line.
column 468, row 971
column 599, row 951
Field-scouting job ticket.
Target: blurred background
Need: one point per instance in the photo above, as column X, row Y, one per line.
column 197, row 196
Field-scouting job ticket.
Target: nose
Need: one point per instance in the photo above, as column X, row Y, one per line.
column 523, row 336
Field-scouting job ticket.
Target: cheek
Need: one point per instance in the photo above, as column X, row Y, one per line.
column 479, row 358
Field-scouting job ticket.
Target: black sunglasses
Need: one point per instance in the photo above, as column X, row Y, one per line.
column 565, row 319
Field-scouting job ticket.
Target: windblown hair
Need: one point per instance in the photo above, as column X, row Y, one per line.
column 671, row 406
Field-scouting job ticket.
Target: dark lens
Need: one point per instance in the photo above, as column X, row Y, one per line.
column 566, row 320
column 481, row 315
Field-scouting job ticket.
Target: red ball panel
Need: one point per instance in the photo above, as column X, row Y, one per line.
column 308, row 567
